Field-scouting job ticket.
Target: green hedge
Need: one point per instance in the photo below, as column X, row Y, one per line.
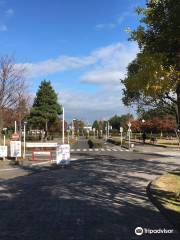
column 94, row 143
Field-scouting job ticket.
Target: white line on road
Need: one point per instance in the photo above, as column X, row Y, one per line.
column 8, row 169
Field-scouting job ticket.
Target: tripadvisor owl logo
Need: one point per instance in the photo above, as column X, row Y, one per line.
column 139, row 231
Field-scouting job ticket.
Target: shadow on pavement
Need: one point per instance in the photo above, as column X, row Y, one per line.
column 100, row 199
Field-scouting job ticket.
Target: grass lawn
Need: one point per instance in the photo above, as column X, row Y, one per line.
column 166, row 191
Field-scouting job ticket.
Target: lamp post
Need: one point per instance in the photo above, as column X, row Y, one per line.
column 15, row 127
column 24, row 153
column 94, row 130
column 4, row 130
column 121, row 131
column 129, row 131
column 73, row 128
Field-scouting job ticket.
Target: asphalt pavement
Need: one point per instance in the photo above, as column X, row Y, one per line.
column 101, row 196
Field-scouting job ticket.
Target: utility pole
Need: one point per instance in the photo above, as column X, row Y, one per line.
column 24, row 153
column 63, row 128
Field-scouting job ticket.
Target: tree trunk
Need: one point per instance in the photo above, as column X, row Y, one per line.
column 46, row 130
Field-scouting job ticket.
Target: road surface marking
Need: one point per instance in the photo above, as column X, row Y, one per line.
column 108, row 149
column 96, row 149
column 115, row 150
column 8, row 169
column 102, row 149
column 78, row 150
column 84, row 150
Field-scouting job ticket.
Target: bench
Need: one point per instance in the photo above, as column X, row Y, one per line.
column 41, row 149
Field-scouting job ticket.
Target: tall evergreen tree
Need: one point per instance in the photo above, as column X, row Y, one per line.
column 45, row 108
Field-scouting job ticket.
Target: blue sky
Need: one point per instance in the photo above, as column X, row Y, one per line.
column 81, row 46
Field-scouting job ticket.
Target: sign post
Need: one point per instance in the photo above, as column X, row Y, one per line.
column 24, row 153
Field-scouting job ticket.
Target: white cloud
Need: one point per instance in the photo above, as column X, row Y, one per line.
column 105, row 25
column 101, row 104
column 117, row 21
column 3, row 28
column 112, row 66
column 106, row 66
column 9, row 12
column 102, row 77
column 114, row 57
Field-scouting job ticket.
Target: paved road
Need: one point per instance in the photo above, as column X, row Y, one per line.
column 102, row 196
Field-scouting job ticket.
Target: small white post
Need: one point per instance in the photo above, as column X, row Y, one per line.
column 15, row 127
column 108, row 129
column 24, row 154
column 63, row 128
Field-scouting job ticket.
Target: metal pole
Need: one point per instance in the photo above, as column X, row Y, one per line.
column 108, row 129
column 129, row 139
column 24, row 154
column 72, row 129
column 63, row 128
column 68, row 136
column 121, row 139
column 4, row 139
column 15, row 127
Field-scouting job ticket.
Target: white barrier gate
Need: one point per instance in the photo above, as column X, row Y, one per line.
column 3, row 151
column 63, row 154
column 15, row 147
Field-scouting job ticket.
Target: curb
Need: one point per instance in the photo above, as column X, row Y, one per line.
column 164, row 211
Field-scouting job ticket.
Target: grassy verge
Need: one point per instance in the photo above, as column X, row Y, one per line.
column 166, row 193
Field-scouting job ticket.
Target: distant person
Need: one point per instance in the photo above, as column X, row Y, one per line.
column 144, row 137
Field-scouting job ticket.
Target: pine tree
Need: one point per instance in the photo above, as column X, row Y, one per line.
column 46, row 108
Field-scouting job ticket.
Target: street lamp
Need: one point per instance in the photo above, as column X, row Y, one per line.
column 24, row 153
column 94, row 130
column 129, row 131
column 4, row 130
column 73, row 128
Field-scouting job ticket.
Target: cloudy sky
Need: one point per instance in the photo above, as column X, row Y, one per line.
column 81, row 46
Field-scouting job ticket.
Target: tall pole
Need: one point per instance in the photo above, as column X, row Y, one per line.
column 68, row 135
column 24, row 154
column 72, row 128
column 15, row 127
column 63, row 128
column 108, row 129
column 4, row 139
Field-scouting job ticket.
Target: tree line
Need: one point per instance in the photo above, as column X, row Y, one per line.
column 153, row 77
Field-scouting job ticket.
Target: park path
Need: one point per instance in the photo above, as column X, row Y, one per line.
column 99, row 199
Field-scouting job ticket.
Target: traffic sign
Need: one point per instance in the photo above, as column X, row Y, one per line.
column 15, row 137
column 121, row 129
